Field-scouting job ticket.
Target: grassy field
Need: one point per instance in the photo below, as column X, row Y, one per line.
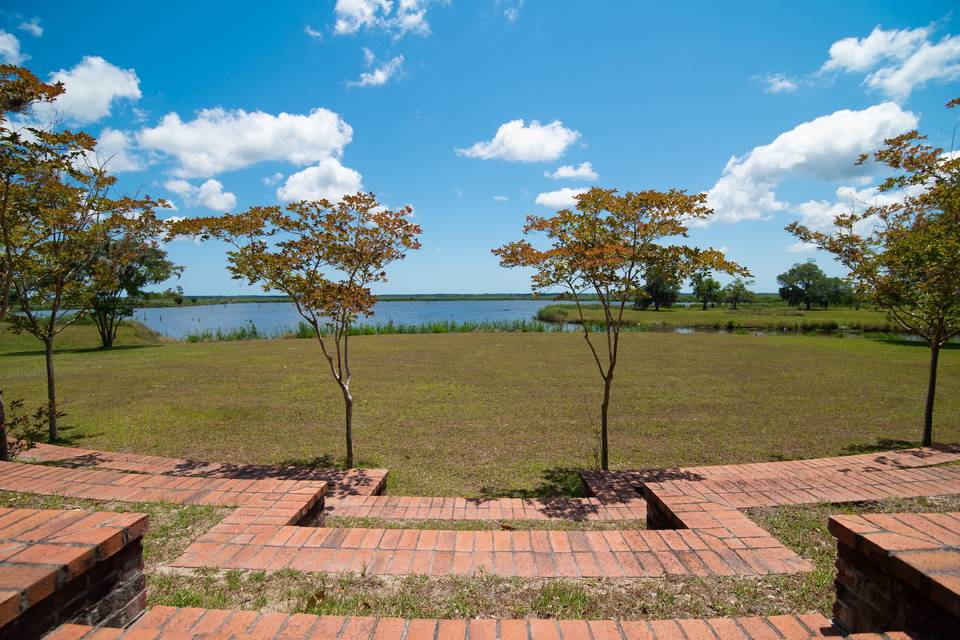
column 760, row 316
column 490, row 414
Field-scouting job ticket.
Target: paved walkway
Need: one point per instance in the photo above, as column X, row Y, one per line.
column 874, row 476
column 701, row 531
column 438, row 508
column 164, row 622
column 339, row 483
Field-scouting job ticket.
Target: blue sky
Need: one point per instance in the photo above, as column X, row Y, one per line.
column 461, row 109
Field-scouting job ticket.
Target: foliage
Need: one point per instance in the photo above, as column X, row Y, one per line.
column 605, row 246
column 905, row 254
column 123, row 268
column 736, row 292
column 661, row 288
column 20, row 432
column 705, row 288
column 324, row 256
column 56, row 215
column 803, row 283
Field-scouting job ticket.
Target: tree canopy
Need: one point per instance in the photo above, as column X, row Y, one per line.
column 605, row 246
column 323, row 255
column 905, row 255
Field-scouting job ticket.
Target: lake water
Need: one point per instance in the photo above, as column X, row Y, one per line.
column 275, row 317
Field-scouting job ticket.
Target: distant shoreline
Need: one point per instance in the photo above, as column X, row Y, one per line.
column 192, row 300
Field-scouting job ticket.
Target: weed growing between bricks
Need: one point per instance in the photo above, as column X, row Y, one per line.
column 349, row 522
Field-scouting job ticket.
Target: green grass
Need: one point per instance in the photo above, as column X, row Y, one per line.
column 172, row 526
column 758, row 316
column 488, row 414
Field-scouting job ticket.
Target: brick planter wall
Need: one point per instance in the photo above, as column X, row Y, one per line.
column 69, row 566
column 898, row 572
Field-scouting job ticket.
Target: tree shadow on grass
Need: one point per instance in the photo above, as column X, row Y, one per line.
column 882, row 444
column 558, row 482
column 40, row 352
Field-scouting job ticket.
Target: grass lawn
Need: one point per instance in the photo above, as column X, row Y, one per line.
column 760, row 316
column 485, row 414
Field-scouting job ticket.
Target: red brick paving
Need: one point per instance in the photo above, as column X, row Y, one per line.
column 339, row 483
column 439, row 508
column 842, row 479
column 164, row 622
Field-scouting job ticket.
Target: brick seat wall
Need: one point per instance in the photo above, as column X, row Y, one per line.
column 898, row 571
column 60, row 566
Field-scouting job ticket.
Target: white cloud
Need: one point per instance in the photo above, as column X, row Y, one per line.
column 272, row 180
column 568, row 172
column 823, row 149
column 899, row 60
column 501, row 198
column 313, row 33
column 802, row 247
column 90, row 90
column 862, row 54
column 518, row 142
column 779, row 83
column 10, row 49
column 218, row 140
column 512, row 12
column 380, row 75
column 210, row 194
column 930, row 62
column 328, row 179
column 32, row 26
column 410, row 16
column 560, row 198
column 115, row 154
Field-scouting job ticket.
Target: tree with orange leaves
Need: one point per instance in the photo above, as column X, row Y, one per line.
column 324, row 256
column 604, row 246
column 905, row 255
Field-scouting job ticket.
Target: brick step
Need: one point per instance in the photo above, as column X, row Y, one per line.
column 553, row 554
column 440, row 508
column 162, row 622
column 341, row 483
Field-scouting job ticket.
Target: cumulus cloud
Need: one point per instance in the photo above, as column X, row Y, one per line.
column 501, row 198
column 313, row 33
column 328, row 179
column 862, row 54
column 90, row 90
column 561, row 198
column 898, row 60
column 10, row 49
column 824, row 149
column 568, row 172
column 779, row 83
column 399, row 18
column 378, row 75
column 210, row 194
column 519, row 142
column 114, row 152
column 219, row 140
column 272, row 180
column 32, row 26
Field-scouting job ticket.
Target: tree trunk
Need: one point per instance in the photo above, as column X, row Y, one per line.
column 931, row 394
column 4, row 450
column 348, row 402
column 604, row 409
column 51, row 391
column 808, row 306
column 704, row 305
